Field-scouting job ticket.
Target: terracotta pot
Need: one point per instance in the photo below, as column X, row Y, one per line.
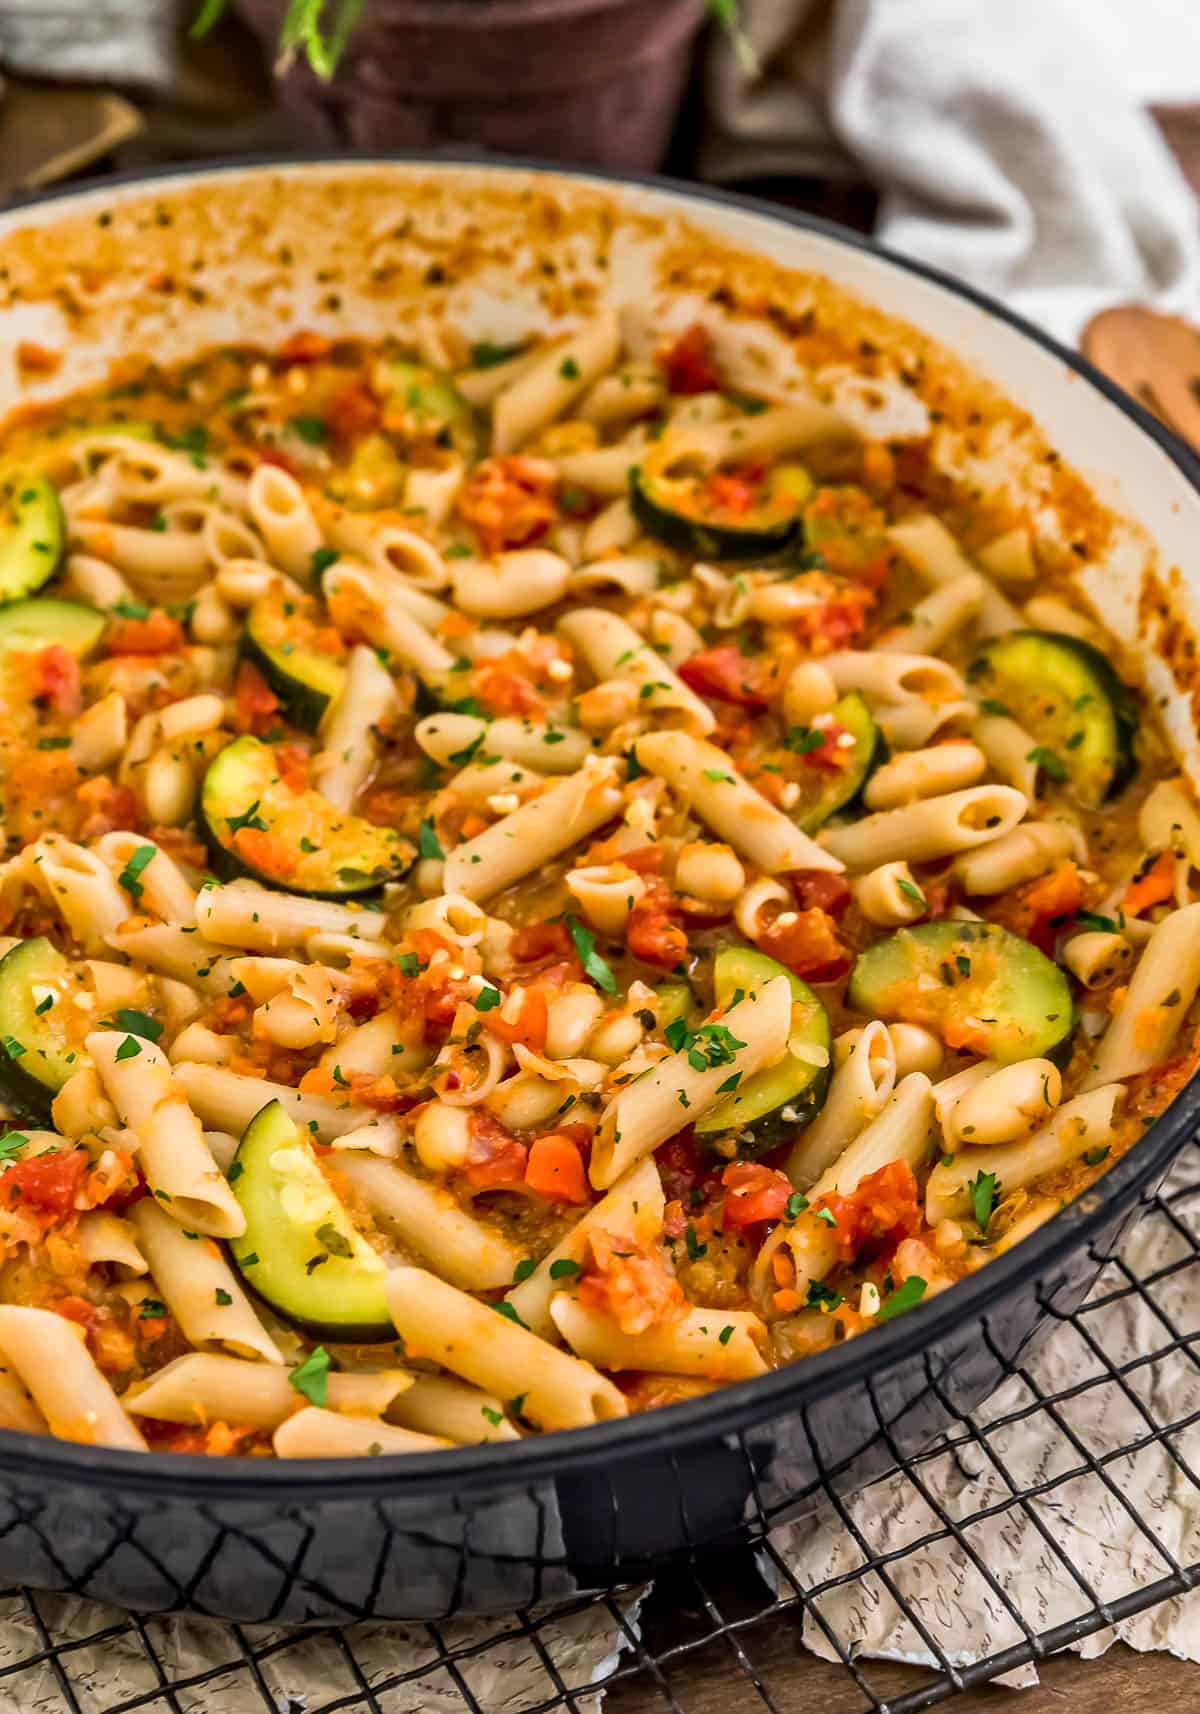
column 588, row 81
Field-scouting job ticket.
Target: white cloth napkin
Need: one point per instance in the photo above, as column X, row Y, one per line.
column 129, row 43
column 1008, row 138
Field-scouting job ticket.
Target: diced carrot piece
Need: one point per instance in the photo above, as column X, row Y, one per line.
column 555, row 1169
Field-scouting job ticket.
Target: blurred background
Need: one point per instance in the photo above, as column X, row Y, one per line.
column 1046, row 150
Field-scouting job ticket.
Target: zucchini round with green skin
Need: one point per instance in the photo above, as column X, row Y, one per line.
column 33, row 538
column 778, row 1101
column 307, row 845
column 826, row 790
column 975, row 984
column 422, row 403
column 1065, row 694
column 36, row 1052
column 301, row 1252
column 280, row 628
column 686, row 510
column 43, row 621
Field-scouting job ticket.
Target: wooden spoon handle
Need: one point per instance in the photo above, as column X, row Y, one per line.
column 1154, row 357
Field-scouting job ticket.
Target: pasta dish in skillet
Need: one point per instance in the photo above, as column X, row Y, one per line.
column 537, row 885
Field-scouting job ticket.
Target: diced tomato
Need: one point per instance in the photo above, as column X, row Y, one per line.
column 256, row 704
column 651, row 933
column 275, row 455
column 353, row 410
column 542, row 940
column 555, row 1169
column 753, row 1192
column 37, row 359
column 78, row 1310
column 1036, row 910
column 731, row 493
column 830, row 754
column 305, row 346
column 1154, row 887
column 56, row 679
column 505, row 692
column 293, row 760
column 51, row 1182
column 495, row 1158
column 727, row 675
column 688, row 364
column 883, row 1206
column 159, row 634
column 526, row 1025
column 509, row 502
column 108, row 806
column 807, row 942
column 630, row 1283
column 834, row 624
column 816, row 889
column 266, row 851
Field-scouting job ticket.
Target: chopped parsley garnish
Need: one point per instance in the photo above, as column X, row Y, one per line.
column 13, row 1048
column 222, row 1298
column 526, row 1266
column 137, row 1023
column 912, row 891
column 1093, row 920
column 248, row 818
column 508, row 1312
column 594, row 966
column 11, row 1143
column 129, row 1048
column 984, row 1193
column 487, row 354
column 311, row 1378
column 906, row 1296
column 1050, row 764
column 801, row 740
column 563, row 1269
column 487, row 999
column 823, row 1297
column 151, row 1310
column 322, row 559
column 408, row 964
column 1092, row 1158
column 313, row 431
column 569, row 369
column 794, row 1207
column 428, row 843
column 335, row 1241
column 695, row 1248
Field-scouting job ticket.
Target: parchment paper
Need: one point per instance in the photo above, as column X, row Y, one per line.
column 1100, row 1534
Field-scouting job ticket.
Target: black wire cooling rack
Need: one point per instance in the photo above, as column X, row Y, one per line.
column 725, row 1631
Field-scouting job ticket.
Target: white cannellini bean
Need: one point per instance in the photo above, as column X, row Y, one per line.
column 442, row 1136
column 1011, row 1103
column 809, row 691
column 168, row 788
column 710, row 872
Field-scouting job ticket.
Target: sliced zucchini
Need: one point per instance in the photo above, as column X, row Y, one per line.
column 300, row 1251
column 423, row 404
column 279, row 639
column 974, row 983
column 696, row 510
column 1069, row 699
column 38, row 623
column 775, row 1103
column 34, row 536
column 306, row 845
column 826, row 790
column 675, row 1001
column 36, row 1051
